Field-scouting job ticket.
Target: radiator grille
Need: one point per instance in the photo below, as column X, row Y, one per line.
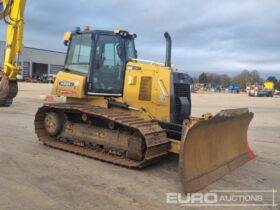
column 180, row 90
column 145, row 93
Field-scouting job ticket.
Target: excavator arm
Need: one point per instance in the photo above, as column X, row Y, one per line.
column 13, row 15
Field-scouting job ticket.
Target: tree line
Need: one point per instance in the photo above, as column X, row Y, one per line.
column 242, row 79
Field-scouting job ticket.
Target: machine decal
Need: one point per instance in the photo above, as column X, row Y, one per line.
column 66, row 91
column 161, row 97
column 68, row 84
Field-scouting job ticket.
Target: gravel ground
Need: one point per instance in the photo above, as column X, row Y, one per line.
column 34, row 176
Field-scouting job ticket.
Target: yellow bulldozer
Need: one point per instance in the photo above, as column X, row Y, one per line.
column 132, row 112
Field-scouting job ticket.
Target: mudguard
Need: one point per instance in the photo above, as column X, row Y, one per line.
column 213, row 147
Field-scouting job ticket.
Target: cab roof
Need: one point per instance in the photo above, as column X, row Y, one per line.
column 122, row 33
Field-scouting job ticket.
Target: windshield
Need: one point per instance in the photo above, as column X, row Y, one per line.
column 78, row 58
column 108, row 67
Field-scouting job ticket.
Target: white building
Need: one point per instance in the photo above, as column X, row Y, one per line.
column 37, row 62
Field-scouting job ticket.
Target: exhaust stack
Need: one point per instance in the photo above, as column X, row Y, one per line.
column 168, row 49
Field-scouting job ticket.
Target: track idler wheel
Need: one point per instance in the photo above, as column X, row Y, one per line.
column 8, row 90
column 53, row 123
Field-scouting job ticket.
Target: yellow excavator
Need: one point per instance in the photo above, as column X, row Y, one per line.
column 12, row 13
column 132, row 112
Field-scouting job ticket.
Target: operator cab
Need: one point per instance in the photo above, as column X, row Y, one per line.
column 102, row 57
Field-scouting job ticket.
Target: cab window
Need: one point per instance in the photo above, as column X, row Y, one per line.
column 108, row 65
column 78, row 58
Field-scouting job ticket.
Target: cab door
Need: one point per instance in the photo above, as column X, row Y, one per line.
column 107, row 66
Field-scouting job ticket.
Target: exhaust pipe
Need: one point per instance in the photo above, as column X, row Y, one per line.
column 168, row 49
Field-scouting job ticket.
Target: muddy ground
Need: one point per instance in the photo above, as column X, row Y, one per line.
column 33, row 176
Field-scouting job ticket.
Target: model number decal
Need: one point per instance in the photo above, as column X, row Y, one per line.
column 68, row 84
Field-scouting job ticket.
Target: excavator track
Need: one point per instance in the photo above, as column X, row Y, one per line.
column 154, row 137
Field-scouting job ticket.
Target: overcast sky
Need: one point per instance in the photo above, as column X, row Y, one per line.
column 208, row 35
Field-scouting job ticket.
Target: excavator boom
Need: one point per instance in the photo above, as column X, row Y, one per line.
column 13, row 16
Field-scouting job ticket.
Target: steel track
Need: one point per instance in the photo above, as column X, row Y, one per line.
column 157, row 143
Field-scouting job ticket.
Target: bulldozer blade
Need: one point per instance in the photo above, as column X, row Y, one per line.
column 213, row 148
column 8, row 90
